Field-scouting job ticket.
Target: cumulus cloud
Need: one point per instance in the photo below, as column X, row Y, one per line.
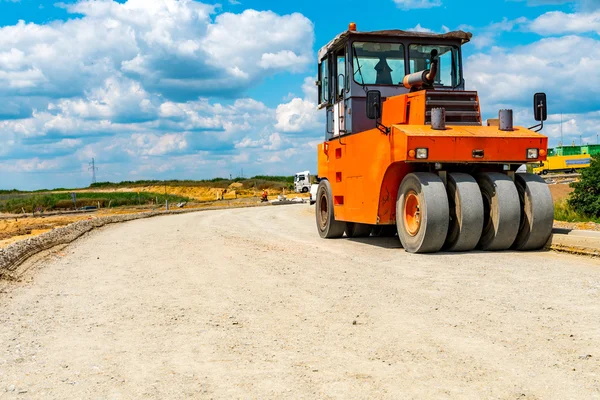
column 411, row 4
column 135, row 82
column 559, row 23
column 300, row 114
column 173, row 47
column 554, row 65
column 583, row 5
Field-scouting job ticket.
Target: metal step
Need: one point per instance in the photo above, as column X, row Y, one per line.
column 458, row 103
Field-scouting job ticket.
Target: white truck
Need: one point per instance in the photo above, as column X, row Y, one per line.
column 313, row 193
column 302, row 182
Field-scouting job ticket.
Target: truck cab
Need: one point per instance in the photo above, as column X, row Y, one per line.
column 356, row 62
column 302, row 182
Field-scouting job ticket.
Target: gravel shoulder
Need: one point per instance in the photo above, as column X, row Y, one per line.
column 252, row 303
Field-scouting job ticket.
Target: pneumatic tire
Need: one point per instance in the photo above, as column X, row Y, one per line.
column 355, row 230
column 537, row 212
column 466, row 212
column 502, row 211
column 422, row 212
column 327, row 225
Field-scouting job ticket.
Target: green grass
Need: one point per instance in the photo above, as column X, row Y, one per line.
column 62, row 201
column 564, row 212
column 257, row 182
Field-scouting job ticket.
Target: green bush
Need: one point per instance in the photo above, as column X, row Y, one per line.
column 585, row 199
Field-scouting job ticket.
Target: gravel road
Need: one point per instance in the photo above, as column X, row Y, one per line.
column 251, row 303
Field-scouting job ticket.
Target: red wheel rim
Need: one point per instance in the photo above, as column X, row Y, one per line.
column 412, row 213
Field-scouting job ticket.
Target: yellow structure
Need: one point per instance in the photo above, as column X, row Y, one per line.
column 563, row 164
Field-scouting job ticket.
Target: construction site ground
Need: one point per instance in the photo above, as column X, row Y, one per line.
column 251, row 303
column 22, row 226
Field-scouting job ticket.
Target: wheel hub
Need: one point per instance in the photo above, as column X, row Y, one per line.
column 323, row 211
column 412, row 213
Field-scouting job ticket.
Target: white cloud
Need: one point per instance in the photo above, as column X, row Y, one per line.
column 555, row 65
column 171, row 46
column 558, row 23
column 411, row 4
column 299, row 115
column 253, row 41
column 419, row 28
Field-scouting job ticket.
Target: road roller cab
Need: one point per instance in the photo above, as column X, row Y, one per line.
column 406, row 149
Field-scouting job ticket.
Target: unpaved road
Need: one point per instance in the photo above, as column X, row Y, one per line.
column 250, row 303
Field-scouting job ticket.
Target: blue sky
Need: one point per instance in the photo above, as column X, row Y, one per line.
column 176, row 89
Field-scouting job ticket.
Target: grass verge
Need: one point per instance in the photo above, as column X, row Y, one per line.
column 63, row 201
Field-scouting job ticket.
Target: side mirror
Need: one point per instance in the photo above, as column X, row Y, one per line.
column 540, row 112
column 374, row 104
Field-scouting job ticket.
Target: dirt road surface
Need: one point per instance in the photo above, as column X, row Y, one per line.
column 251, row 303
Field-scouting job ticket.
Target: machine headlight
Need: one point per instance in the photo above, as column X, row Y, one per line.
column 532, row 153
column 422, row 153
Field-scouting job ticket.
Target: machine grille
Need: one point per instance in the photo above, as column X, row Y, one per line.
column 462, row 108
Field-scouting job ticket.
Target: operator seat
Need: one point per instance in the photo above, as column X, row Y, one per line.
column 384, row 72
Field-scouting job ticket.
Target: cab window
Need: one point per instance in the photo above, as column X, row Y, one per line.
column 448, row 66
column 378, row 63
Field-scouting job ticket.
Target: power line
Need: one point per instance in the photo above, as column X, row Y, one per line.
column 94, row 169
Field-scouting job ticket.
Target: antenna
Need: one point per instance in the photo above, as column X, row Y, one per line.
column 561, row 132
column 94, row 169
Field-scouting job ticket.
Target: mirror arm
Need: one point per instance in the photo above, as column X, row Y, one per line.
column 540, row 125
column 384, row 129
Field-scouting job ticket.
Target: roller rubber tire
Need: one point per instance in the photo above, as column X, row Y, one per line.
column 537, row 212
column 466, row 212
column 502, row 211
column 356, row 230
column 428, row 192
column 327, row 225
column 384, row 230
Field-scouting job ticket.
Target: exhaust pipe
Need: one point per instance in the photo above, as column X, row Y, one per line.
column 505, row 118
column 438, row 119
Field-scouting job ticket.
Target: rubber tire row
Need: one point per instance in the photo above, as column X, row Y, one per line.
column 488, row 212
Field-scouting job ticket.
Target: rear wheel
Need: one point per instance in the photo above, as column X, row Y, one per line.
column 327, row 225
column 502, row 211
column 466, row 212
column 537, row 212
column 422, row 213
column 354, row 230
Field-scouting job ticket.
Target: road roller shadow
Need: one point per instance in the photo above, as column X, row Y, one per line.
column 394, row 243
column 383, row 242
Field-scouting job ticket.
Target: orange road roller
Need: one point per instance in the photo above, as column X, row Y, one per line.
column 406, row 151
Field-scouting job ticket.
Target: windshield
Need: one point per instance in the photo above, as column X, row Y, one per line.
column 448, row 67
column 378, row 63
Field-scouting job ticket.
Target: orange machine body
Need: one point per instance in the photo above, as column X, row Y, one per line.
column 365, row 169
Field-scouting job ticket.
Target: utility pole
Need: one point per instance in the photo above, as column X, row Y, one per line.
column 561, row 132
column 94, row 169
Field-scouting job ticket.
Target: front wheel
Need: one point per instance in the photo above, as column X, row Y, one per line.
column 422, row 213
column 304, row 189
column 327, row 225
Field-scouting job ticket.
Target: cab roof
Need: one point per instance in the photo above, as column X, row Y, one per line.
column 464, row 37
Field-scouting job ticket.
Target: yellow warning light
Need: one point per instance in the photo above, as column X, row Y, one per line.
column 352, row 27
